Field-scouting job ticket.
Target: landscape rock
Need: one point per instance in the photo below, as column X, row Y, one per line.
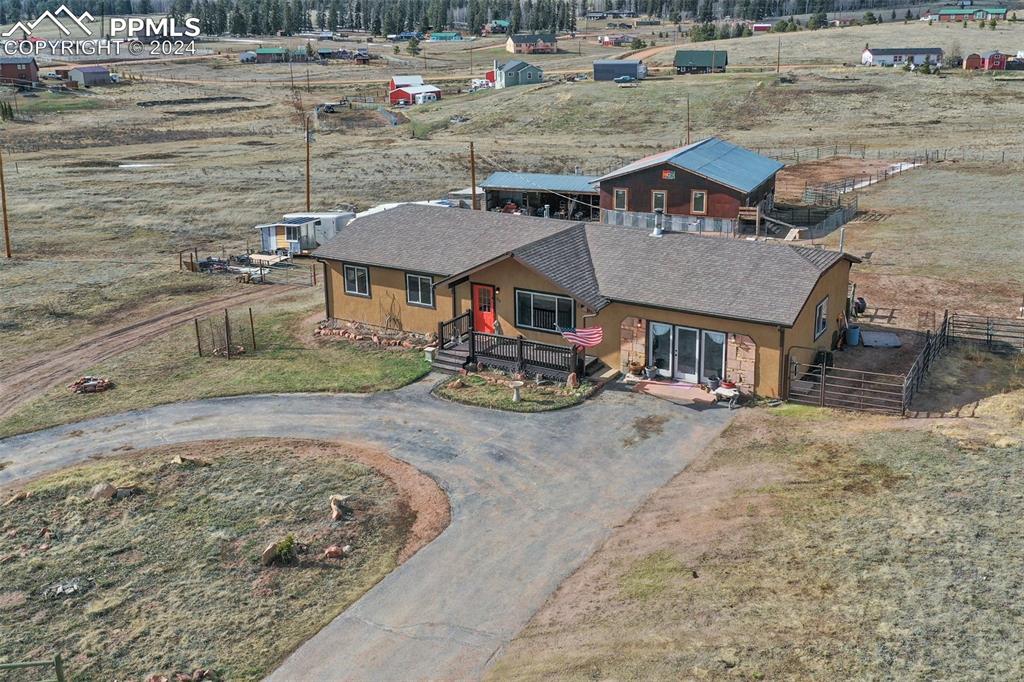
column 190, row 461
column 572, row 381
column 338, row 507
column 269, row 554
column 102, row 491
column 334, row 552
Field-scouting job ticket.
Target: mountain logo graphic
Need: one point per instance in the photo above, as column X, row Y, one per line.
column 52, row 17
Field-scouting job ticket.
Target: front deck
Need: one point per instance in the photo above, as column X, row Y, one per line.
column 459, row 345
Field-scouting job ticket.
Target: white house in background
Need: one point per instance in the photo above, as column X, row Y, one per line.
column 898, row 56
column 299, row 233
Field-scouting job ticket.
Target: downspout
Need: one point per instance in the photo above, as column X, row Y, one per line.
column 782, row 362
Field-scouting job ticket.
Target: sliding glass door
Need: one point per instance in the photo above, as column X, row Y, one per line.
column 687, row 353
column 712, row 355
column 659, row 352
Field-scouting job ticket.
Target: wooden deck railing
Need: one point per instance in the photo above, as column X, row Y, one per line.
column 523, row 355
column 455, row 329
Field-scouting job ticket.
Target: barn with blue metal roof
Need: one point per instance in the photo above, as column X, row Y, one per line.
column 711, row 178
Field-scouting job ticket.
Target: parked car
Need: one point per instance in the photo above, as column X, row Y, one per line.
column 624, row 79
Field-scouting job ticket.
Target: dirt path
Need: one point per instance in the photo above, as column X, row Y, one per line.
column 26, row 380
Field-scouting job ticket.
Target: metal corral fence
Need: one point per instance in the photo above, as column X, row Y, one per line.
column 805, row 154
column 842, row 215
column 725, row 227
column 226, row 336
column 820, row 384
column 996, row 334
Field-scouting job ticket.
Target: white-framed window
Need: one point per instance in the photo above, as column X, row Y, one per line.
column 699, row 201
column 357, row 280
column 292, row 233
column 536, row 310
column 659, row 200
column 821, row 318
column 419, row 290
column 620, row 199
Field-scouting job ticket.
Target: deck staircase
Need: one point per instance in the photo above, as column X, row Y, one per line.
column 451, row 359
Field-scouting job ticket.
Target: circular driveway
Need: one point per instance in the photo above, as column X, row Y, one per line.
column 532, row 495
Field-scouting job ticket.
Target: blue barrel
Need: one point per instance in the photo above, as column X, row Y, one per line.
column 853, row 335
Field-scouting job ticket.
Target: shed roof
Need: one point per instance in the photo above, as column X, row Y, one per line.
column 271, row 50
column 972, row 10
column 91, row 69
column 712, row 158
column 418, row 89
column 701, row 58
column 765, row 282
column 631, row 62
column 530, row 38
column 541, row 182
column 401, row 81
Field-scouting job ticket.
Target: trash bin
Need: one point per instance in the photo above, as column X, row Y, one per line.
column 853, row 335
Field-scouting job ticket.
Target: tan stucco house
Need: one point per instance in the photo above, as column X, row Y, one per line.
column 492, row 284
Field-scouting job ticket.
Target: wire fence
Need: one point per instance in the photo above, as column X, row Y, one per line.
column 226, row 336
column 807, row 154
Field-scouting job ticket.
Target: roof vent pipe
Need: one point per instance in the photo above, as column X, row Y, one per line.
column 658, row 218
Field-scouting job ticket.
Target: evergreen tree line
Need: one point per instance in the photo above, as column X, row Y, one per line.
column 382, row 17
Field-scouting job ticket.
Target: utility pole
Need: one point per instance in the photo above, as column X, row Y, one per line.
column 687, row 118
column 308, row 182
column 3, row 199
column 472, row 178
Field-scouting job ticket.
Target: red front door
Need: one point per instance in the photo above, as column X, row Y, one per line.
column 483, row 308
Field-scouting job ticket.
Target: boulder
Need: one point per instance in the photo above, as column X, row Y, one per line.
column 102, row 491
column 269, row 554
column 338, row 507
column 334, row 552
column 572, row 381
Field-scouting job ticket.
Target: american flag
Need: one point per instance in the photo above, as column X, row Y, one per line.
column 588, row 338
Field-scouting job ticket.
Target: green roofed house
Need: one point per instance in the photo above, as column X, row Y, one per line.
column 268, row 55
column 972, row 13
column 496, row 26
column 701, row 61
column 445, row 36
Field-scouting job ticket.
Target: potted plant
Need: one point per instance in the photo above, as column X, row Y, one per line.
column 636, row 368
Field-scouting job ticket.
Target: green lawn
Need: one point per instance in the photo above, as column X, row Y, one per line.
column 169, row 579
column 168, row 370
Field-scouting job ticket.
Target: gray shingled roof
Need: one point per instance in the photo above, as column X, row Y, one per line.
column 564, row 258
column 766, row 282
column 761, row 281
column 530, row 38
column 433, row 239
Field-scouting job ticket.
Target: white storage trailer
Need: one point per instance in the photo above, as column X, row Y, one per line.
column 610, row 69
column 299, row 233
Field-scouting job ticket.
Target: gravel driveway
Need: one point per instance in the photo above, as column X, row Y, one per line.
column 532, row 497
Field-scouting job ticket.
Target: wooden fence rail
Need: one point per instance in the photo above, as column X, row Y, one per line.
column 57, row 663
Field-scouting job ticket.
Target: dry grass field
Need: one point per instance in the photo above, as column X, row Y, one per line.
column 167, row 578
column 810, row 544
column 95, row 240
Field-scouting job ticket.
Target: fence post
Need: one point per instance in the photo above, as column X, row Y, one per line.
column 58, row 667
column 821, row 387
column 519, row 354
column 199, row 345
column 227, row 334
column 252, row 330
